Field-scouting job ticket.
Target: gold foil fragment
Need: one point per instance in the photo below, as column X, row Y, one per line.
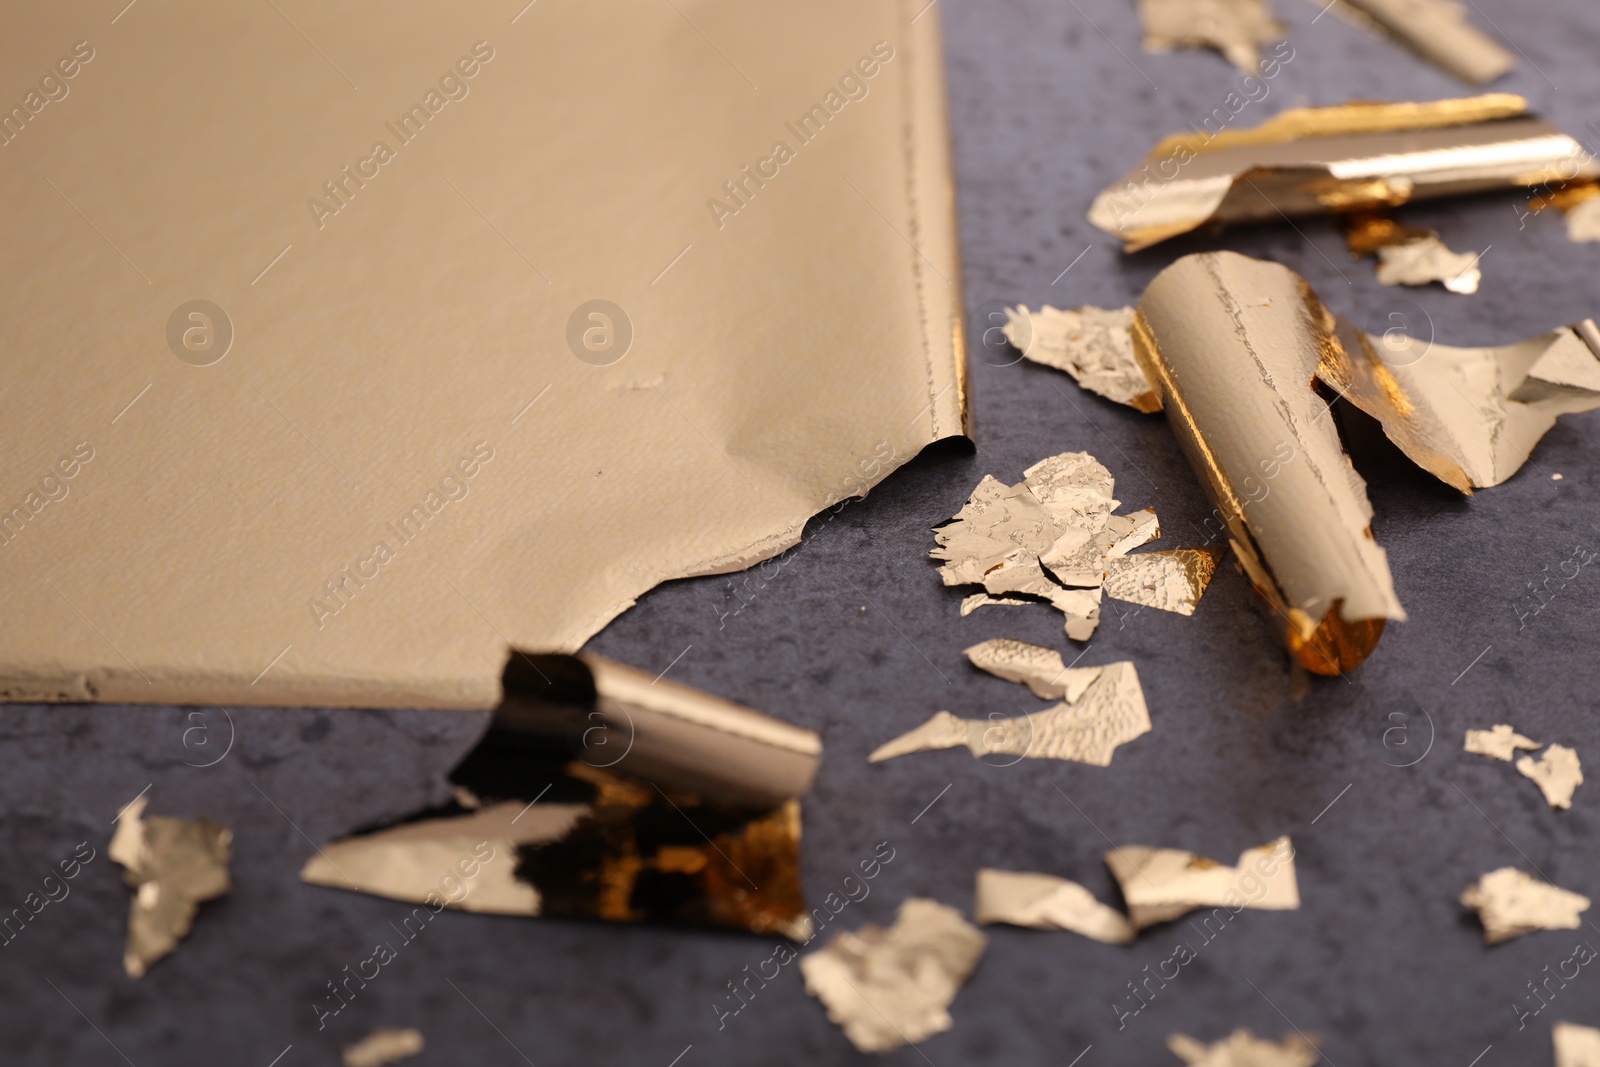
column 1351, row 157
column 1044, row 902
column 173, row 866
column 1438, row 31
column 982, row 600
column 1040, row 669
column 1169, row 579
column 1408, row 255
column 1091, row 344
column 1160, row 884
column 1111, row 712
column 1510, row 903
column 1500, row 742
column 1576, row 1046
column 383, row 1047
column 1236, row 28
column 1556, row 773
column 887, row 988
column 1244, row 1049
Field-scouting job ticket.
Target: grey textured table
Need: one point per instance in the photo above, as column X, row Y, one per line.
column 853, row 636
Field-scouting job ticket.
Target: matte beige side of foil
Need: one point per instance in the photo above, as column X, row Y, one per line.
column 217, row 540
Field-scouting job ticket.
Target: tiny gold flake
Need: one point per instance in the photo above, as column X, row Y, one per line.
column 982, row 600
column 1044, row 902
column 1244, row 1049
column 1500, row 743
column 887, row 988
column 1556, row 773
column 1510, row 903
column 1111, row 712
column 1236, row 28
column 1160, row 884
column 1091, row 344
column 1169, row 579
column 1408, row 255
column 383, row 1047
column 1040, row 669
column 173, row 865
column 1576, row 1046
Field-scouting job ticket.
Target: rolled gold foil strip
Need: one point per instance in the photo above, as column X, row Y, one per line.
column 1242, row 1048
column 1438, row 31
column 1510, row 903
column 1356, row 156
column 1232, row 344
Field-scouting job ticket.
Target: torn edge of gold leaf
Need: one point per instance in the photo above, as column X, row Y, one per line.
column 890, row 987
column 173, row 865
column 383, row 1047
column 1243, row 1048
column 1110, row 713
column 1167, row 579
column 1436, row 30
column 1557, row 773
column 1161, row 884
column 1350, row 157
column 1511, row 903
column 1040, row 669
column 1410, row 255
column 1092, row 344
column 1575, row 1046
column 1236, row 28
column 1499, row 742
column 1045, row 902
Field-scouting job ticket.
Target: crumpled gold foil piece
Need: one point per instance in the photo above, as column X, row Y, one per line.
column 1244, row 1049
column 1510, row 903
column 1409, row 255
column 173, row 866
column 1111, row 712
column 1044, row 902
column 1437, row 30
column 1091, row 344
column 1236, row 28
column 889, row 987
column 1168, row 579
column 1161, row 884
column 1556, row 773
column 1576, row 1046
column 1352, row 157
column 383, row 1047
column 1500, row 742
column 1040, row 669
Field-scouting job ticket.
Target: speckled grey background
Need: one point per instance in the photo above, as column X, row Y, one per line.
column 854, row 637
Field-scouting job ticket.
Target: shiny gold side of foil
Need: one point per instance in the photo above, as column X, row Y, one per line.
column 1351, row 157
column 173, row 866
column 1233, row 344
column 1236, row 28
column 1556, row 772
column 1161, row 884
column 890, row 987
column 1438, row 31
column 1089, row 343
column 1044, row 902
column 1168, row 579
column 1510, row 903
column 1242, row 1048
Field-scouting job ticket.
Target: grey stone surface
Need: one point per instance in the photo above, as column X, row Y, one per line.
column 852, row 635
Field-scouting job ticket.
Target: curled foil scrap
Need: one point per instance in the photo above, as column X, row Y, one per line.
column 1162, row 884
column 1236, row 28
column 1243, row 1048
column 1436, row 30
column 890, row 987
column 1360, row 156
column 173, row 866
column 1045, row 902
column 1511, row 903
column 597, row 793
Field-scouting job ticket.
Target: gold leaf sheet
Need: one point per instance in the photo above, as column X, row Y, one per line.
column 1350, row 157
column 1576, row 1046
column 1438, row 31
column 383, row 1047
column 1161, row 884
column 173, row 866
column 1091, row 344
column 1236, row 28
column 1044, row 902
column 1040, row 669
column 889, row 987
column 1510, row 903
column 1244, row 1049
column 1501, row 742
column 1168, row 579
column 1111, row 712
column 1556, row 773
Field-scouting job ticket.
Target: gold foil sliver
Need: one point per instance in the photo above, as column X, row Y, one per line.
column 173, row 865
